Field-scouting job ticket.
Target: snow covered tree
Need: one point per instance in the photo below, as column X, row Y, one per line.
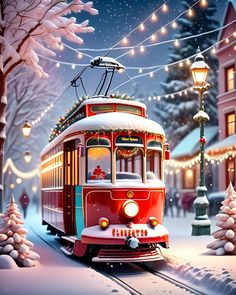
column 29, row 27
column 13, row 239
column 177, row 113
column 226, row 236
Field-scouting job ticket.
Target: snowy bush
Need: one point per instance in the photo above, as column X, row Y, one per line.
column 13, row 241
column 225, row 242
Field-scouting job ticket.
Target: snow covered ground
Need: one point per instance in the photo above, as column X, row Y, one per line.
column 189, row 260
column 59, row 274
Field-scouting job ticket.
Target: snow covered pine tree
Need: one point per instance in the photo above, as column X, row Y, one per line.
column 29, row 27
column 13, row 240
column 176, row 114
column 226, row 236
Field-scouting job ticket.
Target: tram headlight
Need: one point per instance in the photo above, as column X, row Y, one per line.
column 130, row 208
column 103, row 222
column 153, row 221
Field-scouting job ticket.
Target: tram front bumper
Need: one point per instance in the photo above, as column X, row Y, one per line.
column 118, row 234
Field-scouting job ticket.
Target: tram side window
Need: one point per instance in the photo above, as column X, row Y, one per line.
column 129, row 164
column 153, row 165
column 98, row 164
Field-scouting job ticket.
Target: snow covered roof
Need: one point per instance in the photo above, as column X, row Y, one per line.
column 105, row 100
column 230, row 3
column 109, row 121
column 190, row 144
column 228, row 142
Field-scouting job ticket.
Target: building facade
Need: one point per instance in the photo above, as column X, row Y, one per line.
column 225, row 150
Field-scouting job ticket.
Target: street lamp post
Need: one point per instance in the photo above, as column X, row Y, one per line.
column 201, row 224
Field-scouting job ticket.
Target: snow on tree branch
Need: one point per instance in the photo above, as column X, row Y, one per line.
column 30, row 27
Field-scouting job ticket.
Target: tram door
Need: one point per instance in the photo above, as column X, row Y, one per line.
column 69, row 187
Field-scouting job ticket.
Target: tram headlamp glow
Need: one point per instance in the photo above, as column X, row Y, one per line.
column 130, row 208
column 153, row 221
column 103, row 222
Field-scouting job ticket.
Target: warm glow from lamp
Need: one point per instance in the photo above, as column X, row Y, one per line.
column 27, row 157
column 199, row 70
column 26, row 129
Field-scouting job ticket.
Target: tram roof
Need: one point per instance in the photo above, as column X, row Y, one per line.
column 107, row 122
column 108, row 100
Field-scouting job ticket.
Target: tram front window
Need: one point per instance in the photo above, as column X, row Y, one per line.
column 129, row 164
column 153, row 165
column 98, row 164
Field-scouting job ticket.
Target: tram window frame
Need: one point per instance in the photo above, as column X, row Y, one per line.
column 104, row 108
column 129, row 109
column 158, row 173
column 98, row 142
column 129, row 164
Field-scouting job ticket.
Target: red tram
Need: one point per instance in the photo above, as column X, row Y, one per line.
column 102, row 182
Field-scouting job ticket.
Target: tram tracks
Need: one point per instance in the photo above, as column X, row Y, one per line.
column 135, row 278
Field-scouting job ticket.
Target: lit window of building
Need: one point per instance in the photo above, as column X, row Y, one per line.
column 188, row 178
column 230, row 124
column 229, row 78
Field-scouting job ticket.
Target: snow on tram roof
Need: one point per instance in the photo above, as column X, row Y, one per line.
column 109, row 121
column 107, row 100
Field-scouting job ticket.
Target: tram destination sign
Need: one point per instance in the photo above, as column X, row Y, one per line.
column 129, row 140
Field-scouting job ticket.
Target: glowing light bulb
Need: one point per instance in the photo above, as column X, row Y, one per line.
column 190, row 12
column 213, row 50
column 132, row 51
column 153, row 37
column 142, row 27
column 166, row 69
column 125, row 41
column 176, row 43
column 142, row 48
column 154, row 17
column 140, row 71
column 234, row 34
column 80, row 55
column 149, row 98
column 158, row 98
column 174, row 25
column 73, row 67
column 234, row 47
column 181, row 64
column 227, row 40
column 57, row 65
column 188, row 62
column 203, row 3
column 163, row 30
column 185, row 92
column 164, row 8
column 151, row 74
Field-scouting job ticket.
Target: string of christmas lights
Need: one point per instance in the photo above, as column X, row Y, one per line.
column 165, row 67
column 179, row 62
column 24, row 175
column 176, row 43
column 163, row 30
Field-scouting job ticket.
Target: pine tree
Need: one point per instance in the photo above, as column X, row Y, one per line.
column 177, row 113
column 226, row 236
column 13, row 240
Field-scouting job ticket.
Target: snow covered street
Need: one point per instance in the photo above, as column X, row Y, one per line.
column 59, row 274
